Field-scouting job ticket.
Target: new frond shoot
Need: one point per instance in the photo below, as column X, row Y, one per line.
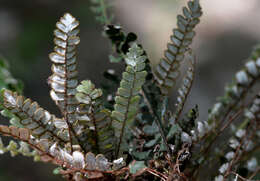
column 132, row 133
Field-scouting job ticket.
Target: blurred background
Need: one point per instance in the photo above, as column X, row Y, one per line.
column 225, row 37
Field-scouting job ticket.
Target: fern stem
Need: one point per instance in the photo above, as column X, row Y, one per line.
column 95, row 126
column 125, row 119
column 70, row 132
column 66, row 112
column 157, row 120
column 239, row 149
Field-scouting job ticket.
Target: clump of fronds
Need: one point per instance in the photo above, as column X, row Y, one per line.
column 132, row 134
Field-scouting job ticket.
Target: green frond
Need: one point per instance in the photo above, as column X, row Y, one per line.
column 167, row 71
column 95, row 118
column 32, row 116
column 185, row 88
column 100, row 8
column 127, row 99
column 64, row 81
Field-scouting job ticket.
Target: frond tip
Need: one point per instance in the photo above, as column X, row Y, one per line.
column 167, row 71
column 127, row 99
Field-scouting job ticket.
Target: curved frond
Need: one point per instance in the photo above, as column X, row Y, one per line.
column 236, row 91
column 94, row 117
column 167, row 71
column 32, row 116
column 127, row 99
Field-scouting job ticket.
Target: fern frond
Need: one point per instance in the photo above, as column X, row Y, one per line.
column 64, row 78
column 32, row 116
column 95, row 117
column 167, row 71
column 127, row 99
column 64, row 81
column 235, row 92
column 100, row 8
column 184, row 90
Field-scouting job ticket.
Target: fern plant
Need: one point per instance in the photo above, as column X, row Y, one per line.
column 133, row 134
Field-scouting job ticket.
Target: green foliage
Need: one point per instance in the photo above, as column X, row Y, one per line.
column 127, row 99
column 132, row 134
